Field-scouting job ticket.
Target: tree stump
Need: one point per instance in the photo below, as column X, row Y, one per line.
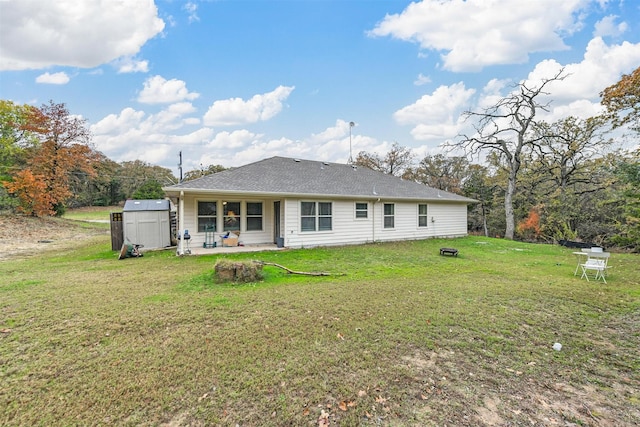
column 237, row 271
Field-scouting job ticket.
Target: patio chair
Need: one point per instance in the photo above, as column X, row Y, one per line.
column 597, row 265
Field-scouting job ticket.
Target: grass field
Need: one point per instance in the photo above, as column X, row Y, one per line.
column 405, row 337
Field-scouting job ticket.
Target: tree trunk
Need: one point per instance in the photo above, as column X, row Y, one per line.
column 484, row 221
column 508, row 206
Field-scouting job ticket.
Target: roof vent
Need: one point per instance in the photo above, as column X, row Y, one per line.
column 325, row 163
column 296, row 160
column 354, row 167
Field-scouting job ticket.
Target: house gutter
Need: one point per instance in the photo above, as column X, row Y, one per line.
column 275, row 194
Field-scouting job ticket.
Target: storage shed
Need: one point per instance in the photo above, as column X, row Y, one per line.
column 148, row 223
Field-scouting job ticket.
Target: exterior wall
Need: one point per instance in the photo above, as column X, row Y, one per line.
column 444, row 220
column 265, row 236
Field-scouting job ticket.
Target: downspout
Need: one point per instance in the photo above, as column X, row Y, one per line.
column 373, row 224
column 181, row 224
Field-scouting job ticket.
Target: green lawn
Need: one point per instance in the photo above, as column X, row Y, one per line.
column 92, row 213
column 406, row 337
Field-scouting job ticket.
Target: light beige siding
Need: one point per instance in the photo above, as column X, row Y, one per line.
column 444, row 220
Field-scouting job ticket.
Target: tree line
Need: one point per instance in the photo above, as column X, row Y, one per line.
column 540, row 181
column 537, row 181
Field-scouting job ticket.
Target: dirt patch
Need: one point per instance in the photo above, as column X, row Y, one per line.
column 491, row 399
column 22, row 236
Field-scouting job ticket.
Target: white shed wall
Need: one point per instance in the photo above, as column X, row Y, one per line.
column 148, row 228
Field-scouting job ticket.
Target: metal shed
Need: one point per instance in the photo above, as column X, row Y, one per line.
column 148, row 222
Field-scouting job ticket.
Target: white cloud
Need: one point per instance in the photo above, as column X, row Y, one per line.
column 241, row 147
column 38, row 34
column 158, row 90
column 422, row 80
column 133, row 134
column 339, row 131
column 128, row 64
column 607, row 27
column 436, row 116
column 60, row 78
column 232, row 140
column 602, row 66
column 237, row 111
column 192, row 10
column 477, row 33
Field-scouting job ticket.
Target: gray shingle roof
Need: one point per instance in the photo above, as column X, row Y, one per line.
column 294, row 177
column 146, row 205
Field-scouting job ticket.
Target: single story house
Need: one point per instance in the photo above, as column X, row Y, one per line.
column 302, row 203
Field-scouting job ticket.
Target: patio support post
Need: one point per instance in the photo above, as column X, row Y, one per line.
column 181, row 224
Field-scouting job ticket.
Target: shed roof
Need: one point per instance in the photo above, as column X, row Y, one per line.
column 295, row 177
column 146, row 205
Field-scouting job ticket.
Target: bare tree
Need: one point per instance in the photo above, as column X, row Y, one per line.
column 505, row 128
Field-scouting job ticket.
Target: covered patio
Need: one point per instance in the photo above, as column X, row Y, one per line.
column 218, row 250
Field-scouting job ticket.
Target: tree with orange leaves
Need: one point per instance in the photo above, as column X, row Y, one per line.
column 623, row 101
column 530, row 226
column 62, row 148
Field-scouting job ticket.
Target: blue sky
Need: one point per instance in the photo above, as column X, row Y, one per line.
column 233, row 81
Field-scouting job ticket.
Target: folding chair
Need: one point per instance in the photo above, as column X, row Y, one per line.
column 599, row 265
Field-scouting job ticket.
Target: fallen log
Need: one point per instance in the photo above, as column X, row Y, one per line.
column 304, row 273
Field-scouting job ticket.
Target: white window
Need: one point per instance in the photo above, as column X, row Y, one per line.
column 315, row 216
column 254, row 216
column 423, row 217
column 389, row 215
column 362, row 210
column 207, row 214
column 231, row 218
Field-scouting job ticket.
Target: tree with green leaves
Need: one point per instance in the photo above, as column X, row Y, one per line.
column 564, row 166
column 629, row 229
column 395, row 162
column 150, row 190
column 199, row 173
column 441, row 172
column 14, row 139
column 478, row 185
column 133, row 174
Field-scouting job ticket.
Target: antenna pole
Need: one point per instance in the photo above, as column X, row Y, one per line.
column 351, row 124
column 180, row 165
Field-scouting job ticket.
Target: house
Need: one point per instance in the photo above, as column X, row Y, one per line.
column 302, row 203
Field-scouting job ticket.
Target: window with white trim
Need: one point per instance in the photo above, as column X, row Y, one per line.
column 316, row 216
column 207, row 215
column 389, row 215
column 362, row 210
column 254, row 216
column 423, row 217
column 231, row 216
